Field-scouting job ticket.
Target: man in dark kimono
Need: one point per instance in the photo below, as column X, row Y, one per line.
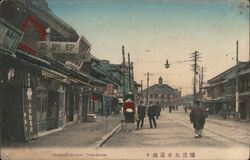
column 141, row 111
column 197, row 117
column 158, row 110
column 151, row 114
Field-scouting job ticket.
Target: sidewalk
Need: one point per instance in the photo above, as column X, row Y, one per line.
column 86, row 134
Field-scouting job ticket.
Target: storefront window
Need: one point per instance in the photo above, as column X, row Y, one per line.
column 41, row 109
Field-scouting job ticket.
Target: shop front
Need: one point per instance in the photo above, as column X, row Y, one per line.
column 50, row 103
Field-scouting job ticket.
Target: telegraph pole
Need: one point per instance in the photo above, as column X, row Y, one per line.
column 237, row 83
column 147, row 88
column 123, row 70
column 141, row 90
column 195, row 57
column 129, row 72
column 249, row 27
column 123, row 55
column 195, row 67
column 133, row 86
column 141, row 85
column 202, row 78
column 201, row 83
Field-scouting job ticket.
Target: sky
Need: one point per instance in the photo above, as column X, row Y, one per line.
column 155, row 30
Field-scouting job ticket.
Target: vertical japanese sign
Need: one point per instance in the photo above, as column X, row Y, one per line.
column 29, row 125
column 9, row 36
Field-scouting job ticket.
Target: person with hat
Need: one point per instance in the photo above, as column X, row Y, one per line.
column 151, row 114
column 141, row 112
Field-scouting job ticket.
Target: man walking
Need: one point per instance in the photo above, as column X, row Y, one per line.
column 141, row 111
column 170, row 108
column 151, row 114
column 158, row 110
column 197, row 117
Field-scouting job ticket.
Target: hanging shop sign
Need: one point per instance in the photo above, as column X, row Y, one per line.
column 77, row 47
column 58, row 47
column 9, row 36
column 33, row 31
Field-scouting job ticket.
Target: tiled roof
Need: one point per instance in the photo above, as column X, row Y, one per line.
column 230, row 73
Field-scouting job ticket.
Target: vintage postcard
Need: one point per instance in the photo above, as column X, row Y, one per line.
column 124, row 79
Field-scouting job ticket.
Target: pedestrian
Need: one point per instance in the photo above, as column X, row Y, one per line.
column 151, row 114
column 197, row 118
column 225, row 111
column 170, row 108
column 185, row 108
column 157, row 110
column 141, row 112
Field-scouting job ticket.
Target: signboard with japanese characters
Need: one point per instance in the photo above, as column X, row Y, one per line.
column 28, row 116
column 9, row 36
column 59, row 47
column 77, row 48
column 62, row 47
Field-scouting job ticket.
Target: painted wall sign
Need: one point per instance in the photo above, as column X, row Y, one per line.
column 9, row 35
column 34, row 31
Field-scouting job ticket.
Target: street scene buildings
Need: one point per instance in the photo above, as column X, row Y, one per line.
column 58, row 91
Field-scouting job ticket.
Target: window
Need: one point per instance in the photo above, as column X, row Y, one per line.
column 42, row 105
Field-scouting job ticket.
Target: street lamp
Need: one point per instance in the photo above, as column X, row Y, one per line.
column 167, row 65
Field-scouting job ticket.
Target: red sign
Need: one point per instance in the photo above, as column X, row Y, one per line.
column 109, row 89
column 33, row 32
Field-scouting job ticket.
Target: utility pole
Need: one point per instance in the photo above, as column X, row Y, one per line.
column 249, row 27
column 141, row 85
column 195, row 67
column 129, row 72
column 123, row 55
column 141, row 90
column 195, row 57
column 201, row 83
column 147, row 88
column 202, row 79
column 123, row 70
column 237, row 83
column 133, row 85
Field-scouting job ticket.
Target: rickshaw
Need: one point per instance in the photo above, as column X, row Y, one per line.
column 129, row 108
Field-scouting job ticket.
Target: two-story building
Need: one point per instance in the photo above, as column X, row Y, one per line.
column 221, row 91
column 39, row 93
column 162, row 93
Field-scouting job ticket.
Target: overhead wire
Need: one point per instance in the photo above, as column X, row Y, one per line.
column 215, row 25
